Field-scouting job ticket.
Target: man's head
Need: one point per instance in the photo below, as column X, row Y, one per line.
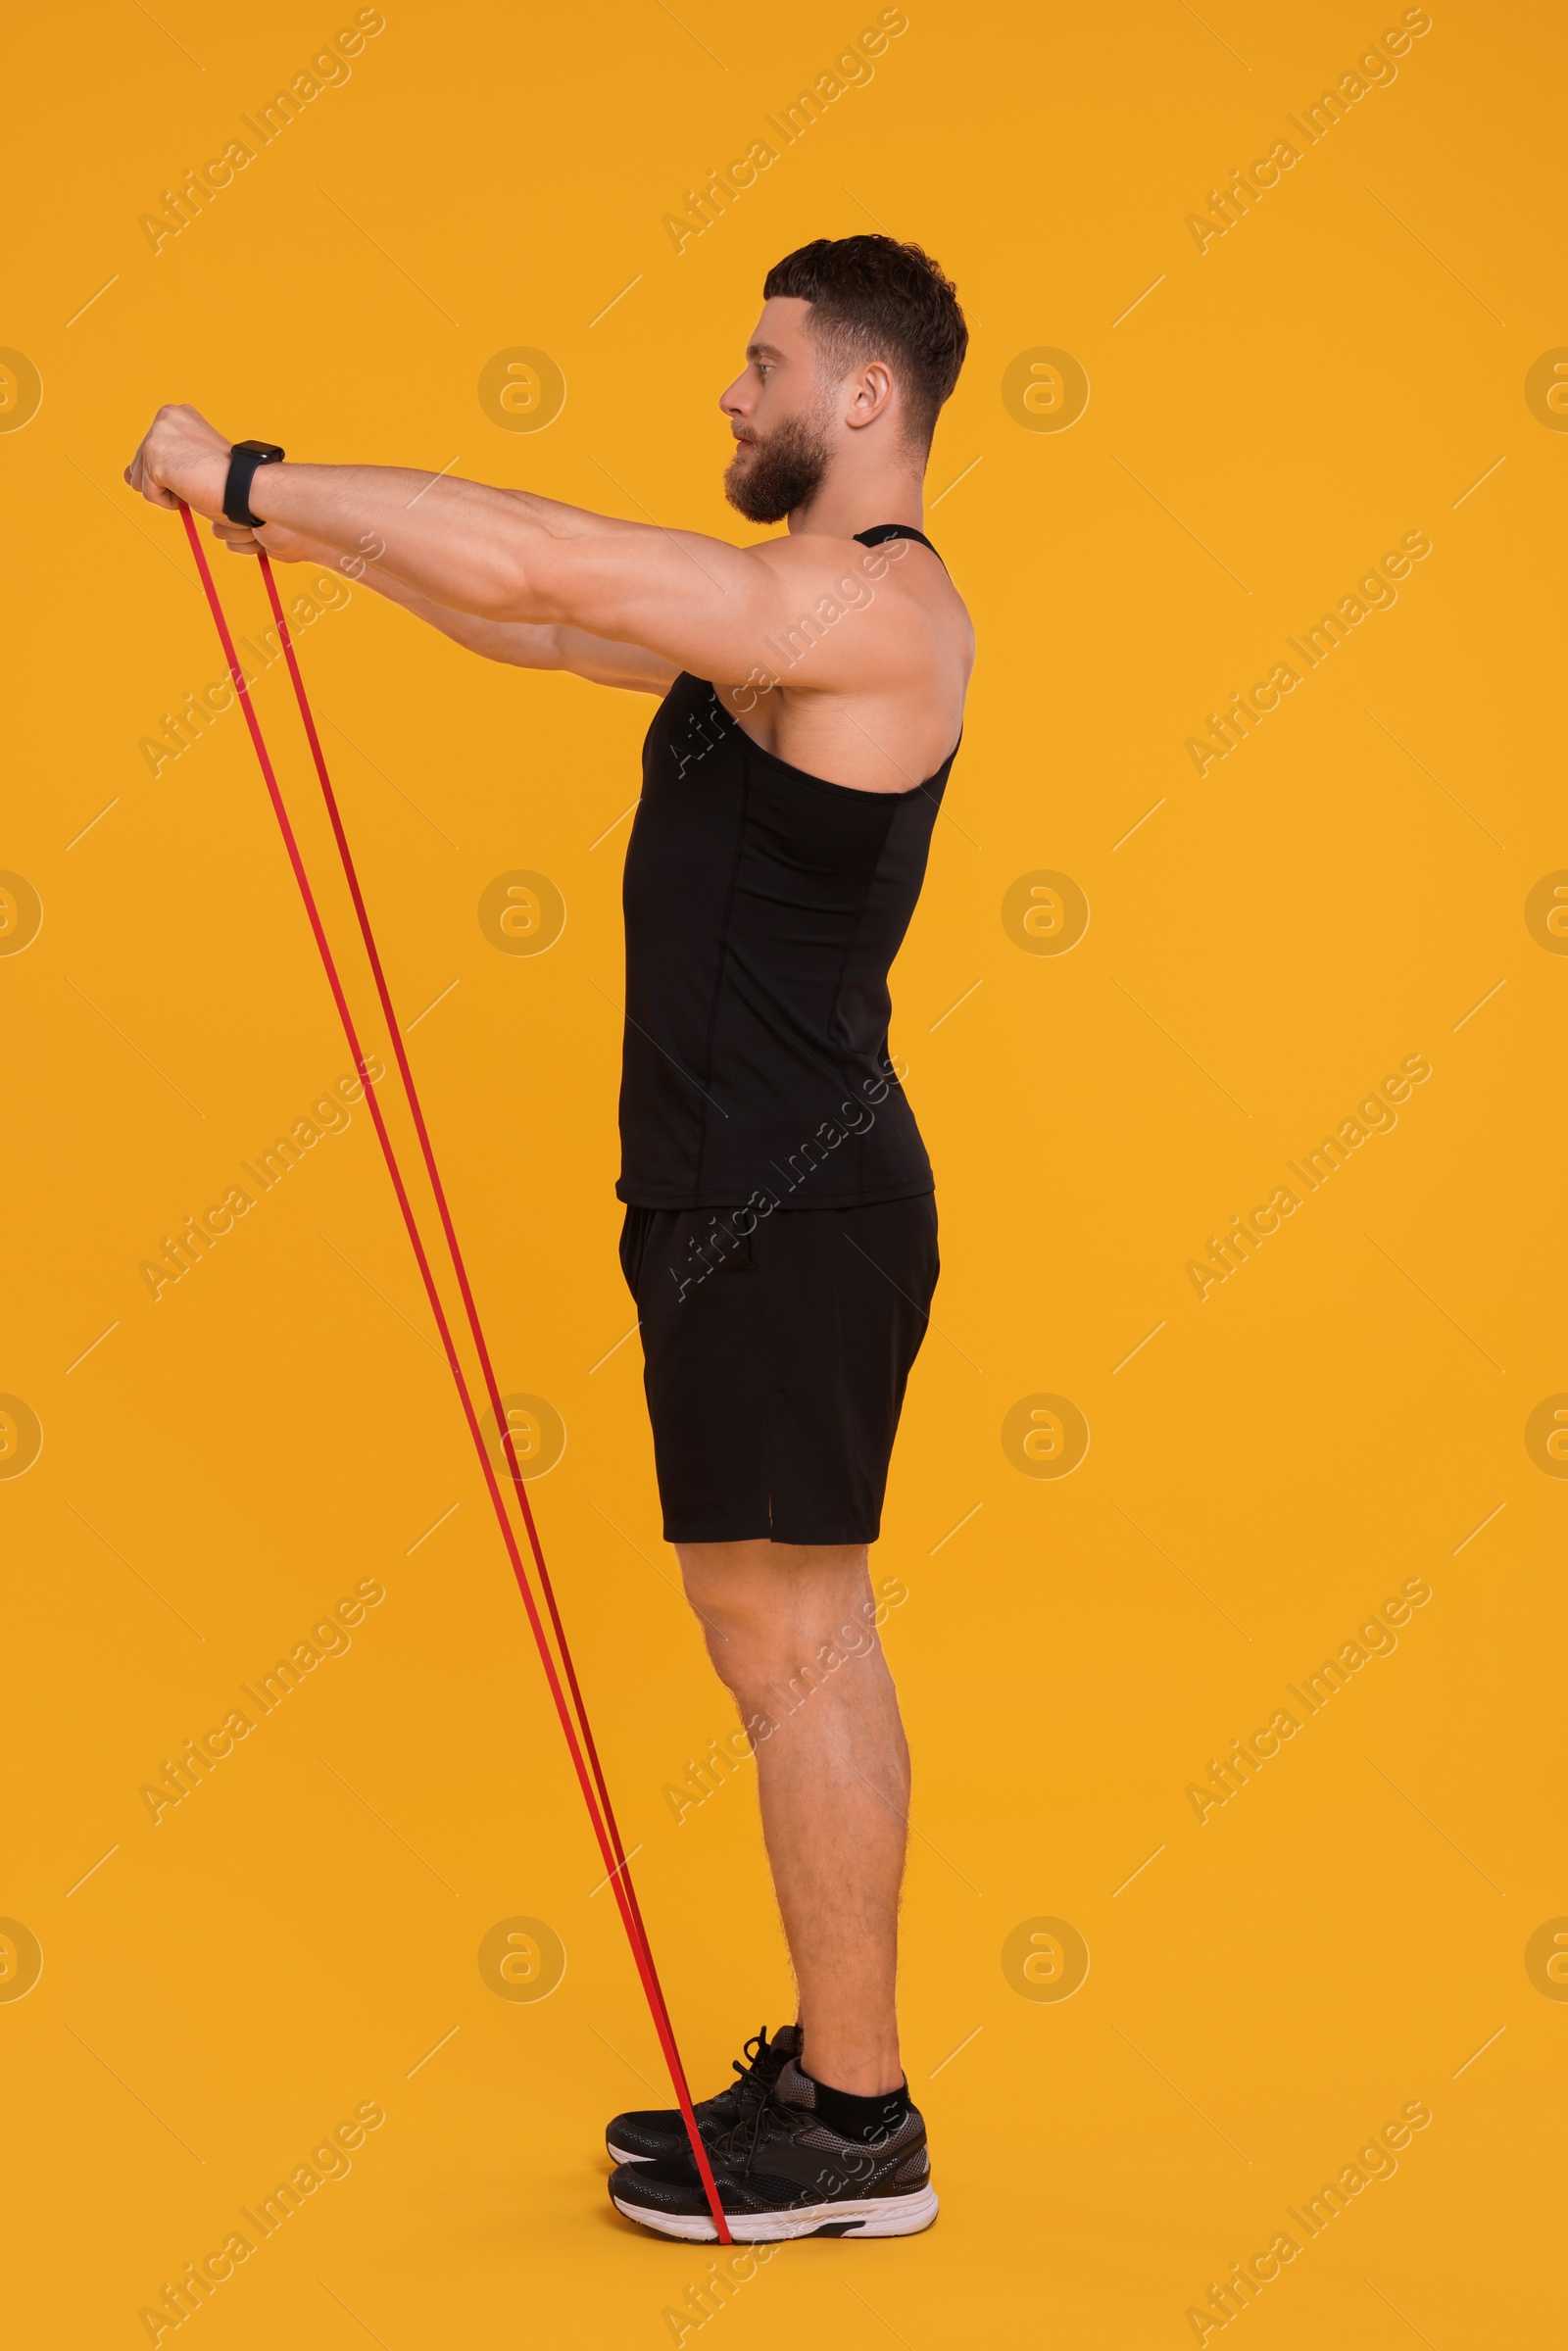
column 859, row 343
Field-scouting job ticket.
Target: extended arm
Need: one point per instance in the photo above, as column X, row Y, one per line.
column 526, row 645
column 536, row 644
column 506, row 556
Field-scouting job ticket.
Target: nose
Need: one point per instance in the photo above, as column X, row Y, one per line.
column 732, row 400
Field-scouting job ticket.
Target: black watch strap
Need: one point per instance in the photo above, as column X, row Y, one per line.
column 244, row 457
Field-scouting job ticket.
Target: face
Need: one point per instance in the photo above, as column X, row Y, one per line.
column 778, row 412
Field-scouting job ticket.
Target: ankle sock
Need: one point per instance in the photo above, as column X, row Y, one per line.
column 869, row 2120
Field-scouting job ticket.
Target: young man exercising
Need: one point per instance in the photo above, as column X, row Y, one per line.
column 780, row 1237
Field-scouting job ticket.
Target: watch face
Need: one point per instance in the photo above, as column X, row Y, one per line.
column 246, row 458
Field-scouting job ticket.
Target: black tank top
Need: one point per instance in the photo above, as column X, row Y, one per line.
column 763, row 908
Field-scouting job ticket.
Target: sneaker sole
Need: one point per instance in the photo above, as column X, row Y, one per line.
column 626, row 2155
column 871, row 2216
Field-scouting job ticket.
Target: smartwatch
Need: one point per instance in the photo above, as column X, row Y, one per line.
column 244, row 457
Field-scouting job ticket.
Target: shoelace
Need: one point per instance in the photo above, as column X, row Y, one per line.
column 737, row 2149
column 749, row 2083
column 741, row 2143
column 756, row 2052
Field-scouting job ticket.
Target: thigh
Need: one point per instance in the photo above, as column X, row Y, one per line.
column 848, row 1294
column 705, row 1372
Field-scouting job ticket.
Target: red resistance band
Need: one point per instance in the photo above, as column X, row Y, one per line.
column 574, row 1721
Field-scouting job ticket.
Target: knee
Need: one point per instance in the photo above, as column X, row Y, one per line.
column 772, row 1613
column 769, row 1660
column 745, row 1646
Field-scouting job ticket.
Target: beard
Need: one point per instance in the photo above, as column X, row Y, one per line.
column 781, row 474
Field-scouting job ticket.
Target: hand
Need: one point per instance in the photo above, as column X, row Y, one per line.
column 183, row 457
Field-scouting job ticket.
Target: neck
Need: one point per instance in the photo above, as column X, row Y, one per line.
column 846, row 504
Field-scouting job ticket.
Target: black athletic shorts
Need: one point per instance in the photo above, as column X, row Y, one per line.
column 775, row 1360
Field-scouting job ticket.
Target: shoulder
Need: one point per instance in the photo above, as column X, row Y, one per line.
column 807, row 558
column 814, row 568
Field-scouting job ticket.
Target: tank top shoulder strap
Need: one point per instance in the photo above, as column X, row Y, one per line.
column 894, row 530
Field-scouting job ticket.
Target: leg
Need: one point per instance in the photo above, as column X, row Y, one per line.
column 791, row 1630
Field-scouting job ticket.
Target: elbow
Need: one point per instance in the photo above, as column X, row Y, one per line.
column 539, row 580
column 522, row 583
column 507, row 590
column 494, row 580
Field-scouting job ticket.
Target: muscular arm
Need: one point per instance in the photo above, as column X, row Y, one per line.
column 536, row 644
column 526, row 645
column 506, row 557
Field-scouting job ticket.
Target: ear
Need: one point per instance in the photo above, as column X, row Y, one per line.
column 870, row 395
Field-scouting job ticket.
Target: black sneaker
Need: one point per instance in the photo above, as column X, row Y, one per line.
column 780, row 2173
column 659, row 2135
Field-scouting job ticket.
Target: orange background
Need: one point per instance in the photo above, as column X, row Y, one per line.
column 1346, row 1413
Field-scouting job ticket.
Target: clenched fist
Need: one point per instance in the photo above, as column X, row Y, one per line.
column 184, row 457
column 181, row 457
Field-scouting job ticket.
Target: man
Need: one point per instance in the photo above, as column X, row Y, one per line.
column 780, row 1235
